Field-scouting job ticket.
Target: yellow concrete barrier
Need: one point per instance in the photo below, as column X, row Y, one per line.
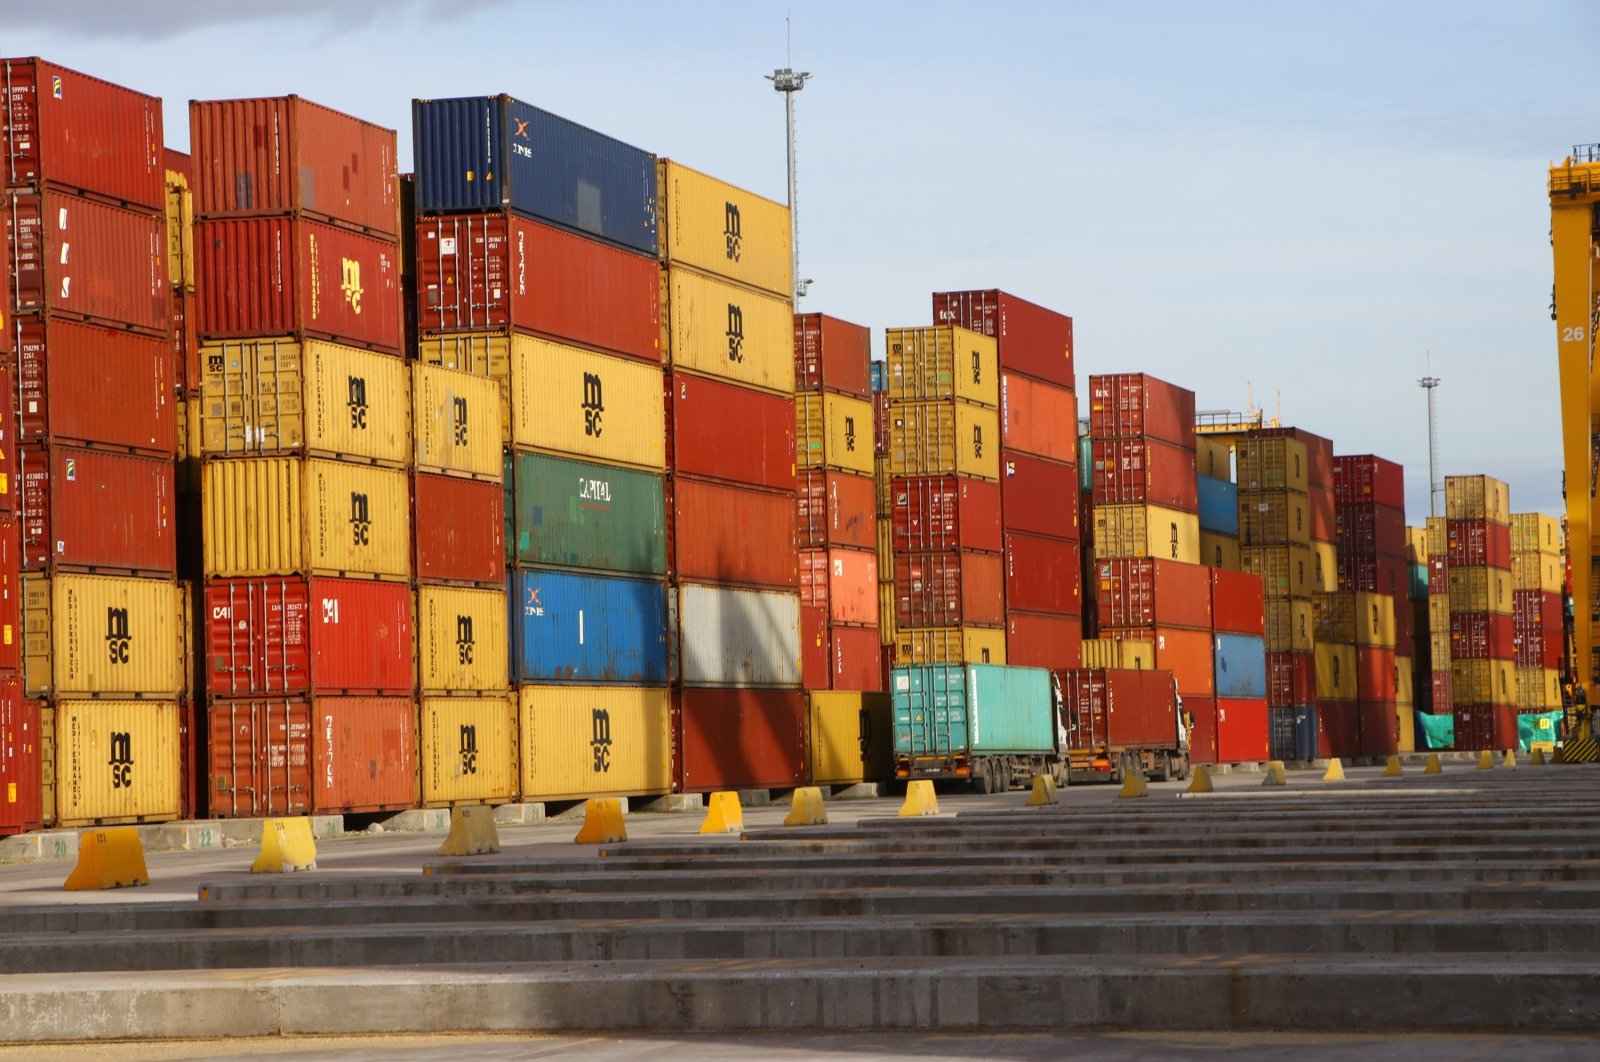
column 1044, row 792
column 1434, row 766
column 1537, row 759
column 1485, row 760
column 1275, row 775
column 108, row 859
column 1335, row 771
column 1200, row 780
column 472, row 831
column 602, row 822
column 1560, row 755
column 1392, row 769
column 920, row 800
column 1133, row 785
column 723, row 814
column 807, row 809
column 286, row 845
column 1511, row 758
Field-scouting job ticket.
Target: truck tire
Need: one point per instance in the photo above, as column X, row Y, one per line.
column 1182, row 770
column 1163, row 771
column 982, row 783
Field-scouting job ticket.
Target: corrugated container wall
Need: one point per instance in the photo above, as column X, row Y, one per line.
column 461, row 640
column 1032, row 340
column 831, row 355
column 586, row 741
column 95, row 635
column 578, row 402
column 116, row 761
column 456, row 420
column 460, row 530
column 714, row 226
column 97, row 509
column 468, row 750
column 723, row 431
column 733, row 637
column 87, row 260
column 81, row 382
column 588, row 629
column 719, row 329
column 576, row 514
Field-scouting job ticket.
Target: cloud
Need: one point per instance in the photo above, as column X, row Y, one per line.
column 172, row 18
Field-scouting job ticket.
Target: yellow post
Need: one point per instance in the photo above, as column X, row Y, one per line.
column 807, row 809
column 1538, row 758
column 723, row 814
column 1044, row 791
column 602, row 822
column 1434, row 766
column 472, row 831
column 1200, row 780
column 1335, row 771
column 920, row 800
column 1392, row 769
column 108, row 859
column 1510, row 759
column 286, row 845
column 1134, row 785
column 1275, row 775
column 1485, row 760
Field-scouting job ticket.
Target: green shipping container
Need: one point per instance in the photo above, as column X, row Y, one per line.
column 945, row 714
column 578, row 514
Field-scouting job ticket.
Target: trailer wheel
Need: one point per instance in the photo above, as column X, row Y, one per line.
column 1182, row 769
column 981, row 782
column 1163, row 771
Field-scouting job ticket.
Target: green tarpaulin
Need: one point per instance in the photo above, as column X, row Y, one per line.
column 1435, row 733
column 1537, row 726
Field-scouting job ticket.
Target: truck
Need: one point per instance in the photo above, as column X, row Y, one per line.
column 1116, row 720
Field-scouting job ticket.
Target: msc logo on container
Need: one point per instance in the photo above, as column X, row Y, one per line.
column 458, row 410
column 121, row 761
column 464, row 640
column 735, row 333
column 600, row 739
column 594, row 405
column 360, row 519
column 977, row 440
column 730, row 230
column 350, row 282
column 850, row 434
column 356, row 400
column 469, row 749
column 977, row 368
column 118, row 640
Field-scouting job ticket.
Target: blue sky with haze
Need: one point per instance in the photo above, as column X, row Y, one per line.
column 1302, row 199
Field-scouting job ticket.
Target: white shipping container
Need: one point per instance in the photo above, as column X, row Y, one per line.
column 730, row 637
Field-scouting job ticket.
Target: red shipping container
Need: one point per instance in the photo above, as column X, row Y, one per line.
column 1039, row 496
column 364, row 750
column 1478, row 544
column 1238, row 602
column 87, row 260
column 1366, row 529
column 949, row 589
column 1482, row 636
column 460, row 530
column 1031, row 339
column 1481, row 727
column 479, row 272
column 10, row 483
column 880, row 424
column 97, row 510
column 185, row 344
column 1241, row 731
column 857, row 660
column 732, row 535
column 74, row 131
column 842, row 581
column 1438, row 577
column 1372, row 574
column 258, row 277
column 188, row 760
column 1365, row 478
column 258, row 754
column 1137, row 405
column 1319, row 455
column 20, row 761
column 739, row 739
column 1035, row 639
column 831, row 355
column 935, row 513
column 1375, row 674
column 814, row 670
column 1291, row 679
column 835, row 509
column 1189, row 655
column 1108, row 710
column 286, row 155
column 1322, row 514
column 723, row 431
column 86, row 383
column 1443, row 685
column 1380, row 728
column 1043, row 575
column 1146, row 592
column 1405, row 643
column 10, row 596
column 1338, row 729
column 1038, row 418
column 293, row 635
column 1141, row 471
column 1551, row 626
column 1202, row 713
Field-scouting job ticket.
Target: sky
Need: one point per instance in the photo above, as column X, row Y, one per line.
column 1310, row 205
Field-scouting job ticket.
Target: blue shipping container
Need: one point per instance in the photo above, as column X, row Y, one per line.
column 1219, row 506
column 1241, row 667
column 588, row 629
column 880, row 377
column 495, row 152
column 946, row 712
column 1305, row 732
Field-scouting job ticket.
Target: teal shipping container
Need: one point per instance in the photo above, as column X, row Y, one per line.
column 1419, row 582
column 579, row 514
column 945, row 714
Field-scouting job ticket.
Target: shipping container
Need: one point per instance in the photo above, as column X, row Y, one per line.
column 468, row 750
column 185, row 343
column 739, row 739
column 1274, row 518
column 1136, row 404
column 283, row 396
column 286, row 155
column 1039, row 496
column 297, row 635
column 1480, row 590
column 460, row 535
column 814, row 647
column 594, row 741
column 289, row 276
column 943, row 439
column 1128, row 471
column 1290, row 625
column 1043, row 575
column 1336, row 672
column 835, row 509
column 945, row 715
column 494, row 152
column 1365, row 528
column 288, row 515
column 1286, row 571
column 851, row 737
column 1218, row 504
column 832, row 355
column 1338, row 728
column 949, row 589
column 1478, row 543
column 1274, row 463
column 731, row 534
column 1146, row 592
column 364, row 754
column 1477, row 498
column 456, row 419
column 719, row 329
column 880, row 421
column 259, row 752
column 581, row 403
column 1367, row 573
column 10, row 481
column 1124, row 654
column 10, row 599
column 1323, row 514
column 89, row 383
column 178, row 206
column 1318, row 455
column 1241, row 730
column 1281, row 732
column 1376, row 676
column 1368, row 479
column 723, row 431
column 100, row 636
column 84, row 260
column 842, row 581
column 939, row 363
column 1036, row 639
column 1219, row 551
column 1213, row 458
column 576, row 514
column 1356, row 619
column 1241, row 667
column 952, row 645
column 1030, row 339
column 736, row 637
column 855, row 659
column 97, row 510
column 1538, row 689
column 831, row 432
column 1106, row 712
column 493, row 272
column 1483, row 681
column 935, row 513
column 1146, row 531
column 714, row 226
column 1535, row 533
column 1237, row 603
column 21, row 749
column 1201, row 721
column 461, row 640
column 588, row 629
column 116, row 762
column 1485, row 727
column 1536, row 571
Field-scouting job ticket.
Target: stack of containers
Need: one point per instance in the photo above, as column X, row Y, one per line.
column 882, row 482
column 1241, row 732
column 1420, row 689
column 1370, row 520
column 1537, row 628
column 1356, row 674
column 536, row 265
column 1149, row 583
column 1218, row 497
column 1274, row 538
column 729, row 342
column 90, row 479
column 835, row 505
column 1482, row 638
column 1440, row 698
column 305, row 440
column 1038, row 475
column 944, row 459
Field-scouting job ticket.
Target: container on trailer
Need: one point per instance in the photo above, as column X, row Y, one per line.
column 1368, row 478
column 715, row 226
column 932, row 513
column 835, row 509
column 952, row 588
column 1114, row 710
column 467, row 750
column 1037, row 639
column 88, row 261
column 944, row 439
column 938, row 363
column 572, row 401
column 933, row 645
column 739, row 739
column 733, row 534
column 456, row 419
column 1146, row 592
column 855, row 659
column 832, row 355
column 1043, row 575
column 844, row 581
column 99, row 636
column 1218, row 505
column 947, row 714
column 116, row 762
column 77, row 382
column 850, row 737
column 461, row 640
column 1237, row 602
column 1030, row 339
column 716, row 328
column 1124, row 405
column 364, row 754
column 459, row 530
column 571, row 627
column 737, row 637
column 1143, row 471
column 594, row 741
column 1039, row 496
column 1241, row 667
column 832, row 431
column 724, row 431
column 1146, row 531
column 1241, row 728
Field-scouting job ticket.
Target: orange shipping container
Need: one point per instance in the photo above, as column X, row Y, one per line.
column 844, row 581
column 1038, row 418
column 1187, row 654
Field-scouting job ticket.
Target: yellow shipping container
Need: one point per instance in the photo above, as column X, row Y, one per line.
column 481, row 354
column 265, row 396
column 1438, row 536
column 881, row 480
column 1336, row 672
column 949, row 645
column 578, row 403
column 1219, row 551
column 1274, row 518
column 188, row 412
column 1290, row 625
column 852, row 737
column 101, row 635
column 1146, row 531
column 1119, row 653
column 462, row 642
column 886, row 607
column 1350, row 618
column 1484, row 681
column 833, row 431
column 1405, row 688
column 1477, row 498
column 188, row 601
column 115, row 761
column 287, row 515
column 1271, row 464
column 1536, row 571
column 456, row 420
column 944, row 439
column 1538, row 689
column 1286, row 571
column 941, row 362
column 469, row 750
column 715, row 328
column 586, row 741
column 1406, row 721
column 1325, row 566
column 1480, row 590
column 1535, row 533
column 723, row 229
column 885, row 547
column 180, row 232
column 1416, row 545
column 47, row 761
column 1213, row 456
